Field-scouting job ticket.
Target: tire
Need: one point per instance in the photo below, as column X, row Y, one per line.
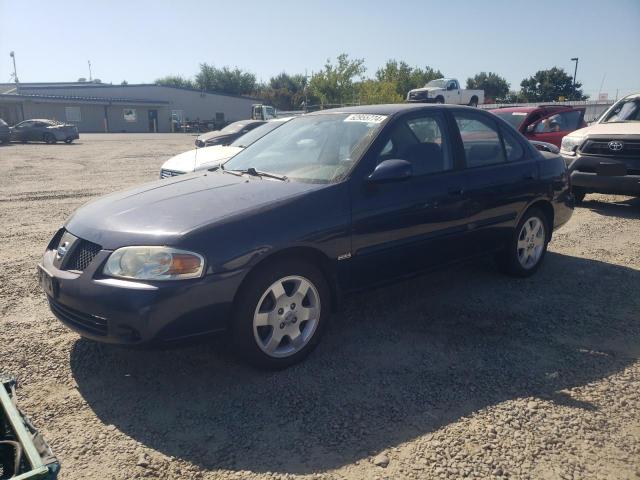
column 473, row 102
column 267, row 311
column 579, row 195
column 68, row 140
column 528, row 246
column 440, row 99
column 49, row 138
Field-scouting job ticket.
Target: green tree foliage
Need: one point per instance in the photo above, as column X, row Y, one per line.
column 175, row 81
column 225, row 80
column 335, row 84
column 495, row 87
column 405, row 77
column 549, row 85
column 284, row 91
column 376, row 91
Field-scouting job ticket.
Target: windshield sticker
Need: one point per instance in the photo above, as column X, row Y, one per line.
column 519, row 113
column 365, row 118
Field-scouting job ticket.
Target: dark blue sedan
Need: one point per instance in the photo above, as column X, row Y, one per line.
column 328, row 203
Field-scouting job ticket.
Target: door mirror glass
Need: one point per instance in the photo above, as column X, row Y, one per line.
column 532, row 128
column 392, row 170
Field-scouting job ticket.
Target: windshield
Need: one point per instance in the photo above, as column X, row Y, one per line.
column 624, row 111
column 233, row 127
column 315, row 148
column 514, row 119
column 259, row 132
column 440, row 83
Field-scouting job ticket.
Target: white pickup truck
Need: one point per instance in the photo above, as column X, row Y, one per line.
column 445, row 90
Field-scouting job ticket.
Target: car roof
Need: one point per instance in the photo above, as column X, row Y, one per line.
column 385, row 109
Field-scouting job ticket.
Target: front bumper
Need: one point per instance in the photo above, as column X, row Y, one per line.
column 596, row 174
column 125, row 312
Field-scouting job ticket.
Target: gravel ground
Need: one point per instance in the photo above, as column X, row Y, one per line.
column 461, row 373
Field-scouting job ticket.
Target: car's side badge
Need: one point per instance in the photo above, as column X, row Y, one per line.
column 344, row 256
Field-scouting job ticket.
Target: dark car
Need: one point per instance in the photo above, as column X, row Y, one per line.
column 544, row 123
column 328, row 203
column 605, row 156
column 228, row 134
column 5, row 132
column 43, row 130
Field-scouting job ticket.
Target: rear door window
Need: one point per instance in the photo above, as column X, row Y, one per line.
column 480, row 138
column 512, row 146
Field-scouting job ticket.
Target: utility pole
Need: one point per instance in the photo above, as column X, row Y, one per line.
column 15, row 73
column 89, row 62
column 575, row 72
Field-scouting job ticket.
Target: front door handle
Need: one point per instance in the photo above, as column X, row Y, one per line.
column 456, row 192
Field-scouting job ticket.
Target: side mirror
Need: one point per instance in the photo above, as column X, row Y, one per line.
column 393, row 170
column 531, row 128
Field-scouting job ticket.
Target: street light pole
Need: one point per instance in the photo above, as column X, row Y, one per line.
column 575, row 72
column 15, row 74
column 89, row 62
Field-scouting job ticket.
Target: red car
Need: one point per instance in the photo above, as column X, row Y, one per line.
column 544, row 123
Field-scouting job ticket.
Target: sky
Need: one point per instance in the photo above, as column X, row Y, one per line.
column 140, row 40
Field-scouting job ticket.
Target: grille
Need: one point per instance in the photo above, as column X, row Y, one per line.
column 164, row 173
column 81, row 321
column 82, row 255
column 631, row 148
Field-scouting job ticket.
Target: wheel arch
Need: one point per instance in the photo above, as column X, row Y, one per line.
column 545, row 206
column 303, row 253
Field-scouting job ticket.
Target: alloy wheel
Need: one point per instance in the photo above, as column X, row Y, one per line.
column 531, row 241
column 286, row 316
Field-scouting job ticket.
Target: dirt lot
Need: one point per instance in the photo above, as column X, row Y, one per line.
column 462, row 373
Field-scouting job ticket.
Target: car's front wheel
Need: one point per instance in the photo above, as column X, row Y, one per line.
column 528, row 246
column 579, row 195
column 68, row 140
column 280, row 313
column 49, row 138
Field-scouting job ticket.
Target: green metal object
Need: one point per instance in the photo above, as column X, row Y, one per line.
column 32, row 458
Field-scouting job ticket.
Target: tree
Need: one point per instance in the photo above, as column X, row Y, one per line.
column 495, row 87
column 284, row 91
column 225, row 80
column 375, row 91
column 405, row 77
column 335, row 83
column 124, row 82
column 550, row 85
column 175, row 81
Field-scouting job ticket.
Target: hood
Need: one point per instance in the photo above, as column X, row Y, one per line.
column 427, row 89
column 165, row 211
column 608, row 129
column 214, row 134
column 193, row 159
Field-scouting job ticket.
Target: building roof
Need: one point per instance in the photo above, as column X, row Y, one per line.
column 60, row 85
column 79, row 99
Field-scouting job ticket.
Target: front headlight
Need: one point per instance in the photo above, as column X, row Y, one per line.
column 154, row 263
column 569, row 145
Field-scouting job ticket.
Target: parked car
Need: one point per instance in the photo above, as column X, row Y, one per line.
column 228, row 134
column 5, row 132
column 43, row 130
column 605, row 156
column 211, row 157
column 543, row 123
column 446, row 90
column 329, row 202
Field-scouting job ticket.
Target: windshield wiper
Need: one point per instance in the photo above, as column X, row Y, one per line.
column 237, row 173
column 257, row 173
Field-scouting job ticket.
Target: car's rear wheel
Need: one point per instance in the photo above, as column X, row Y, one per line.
column 280, row 314
column 473, row 102
column 68, row 140
column 49, row 138
column 528, row 246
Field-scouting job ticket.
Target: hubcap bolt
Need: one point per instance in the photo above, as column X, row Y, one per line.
column 295, row 319
column 280, row 311
column 293, row 305
column 282, row 325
